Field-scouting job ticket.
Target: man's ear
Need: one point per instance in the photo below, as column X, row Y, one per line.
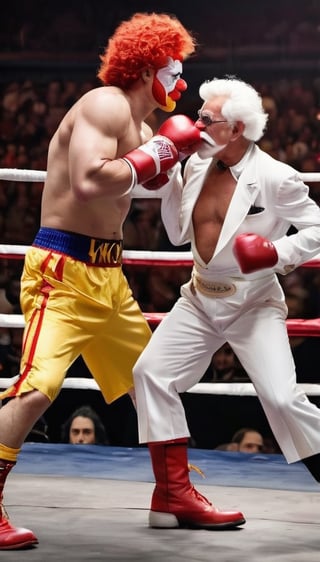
column 237, row 129
column 147, row 75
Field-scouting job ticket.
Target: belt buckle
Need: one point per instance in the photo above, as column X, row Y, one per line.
column 216, row 289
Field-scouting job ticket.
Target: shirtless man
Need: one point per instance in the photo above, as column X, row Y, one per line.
column 235, row 205
column 75, row 298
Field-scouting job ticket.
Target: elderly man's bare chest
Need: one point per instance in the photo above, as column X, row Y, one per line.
column 215, row 196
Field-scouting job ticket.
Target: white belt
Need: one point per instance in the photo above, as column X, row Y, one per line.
column 217, row 289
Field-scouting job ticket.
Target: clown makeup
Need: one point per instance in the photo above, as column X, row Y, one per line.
column 167, row 85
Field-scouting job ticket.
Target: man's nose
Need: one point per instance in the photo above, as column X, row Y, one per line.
column 181, row 85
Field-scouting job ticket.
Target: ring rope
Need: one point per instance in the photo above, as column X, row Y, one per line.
column 130, row 257
column 136, row 257
column 226, row 389
column 19, row 174
column 296, row 327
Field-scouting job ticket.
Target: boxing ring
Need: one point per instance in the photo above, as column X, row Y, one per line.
column 89, row 502
column 296, row 327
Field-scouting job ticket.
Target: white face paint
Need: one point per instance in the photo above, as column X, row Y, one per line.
column 170, row 74
column 209, row 147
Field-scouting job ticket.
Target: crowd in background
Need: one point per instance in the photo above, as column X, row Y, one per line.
column 79, row 26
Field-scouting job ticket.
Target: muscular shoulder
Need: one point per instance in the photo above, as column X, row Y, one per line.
column 106, row 107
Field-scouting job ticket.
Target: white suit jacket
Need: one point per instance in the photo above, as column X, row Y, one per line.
column 268, row 199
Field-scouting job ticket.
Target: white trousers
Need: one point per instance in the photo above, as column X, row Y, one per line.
column 180, row 350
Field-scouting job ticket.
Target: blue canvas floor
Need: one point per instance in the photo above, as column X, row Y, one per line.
column 133, row 464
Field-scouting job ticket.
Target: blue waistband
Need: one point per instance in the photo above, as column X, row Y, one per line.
column 93, row 251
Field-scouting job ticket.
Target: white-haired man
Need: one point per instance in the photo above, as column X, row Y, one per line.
column 235, row 204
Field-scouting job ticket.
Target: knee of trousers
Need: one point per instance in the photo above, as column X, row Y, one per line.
column 139, row 371
column 144, row 371
column 285, row 403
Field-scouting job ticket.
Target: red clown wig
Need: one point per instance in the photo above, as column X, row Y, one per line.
column 144, row 41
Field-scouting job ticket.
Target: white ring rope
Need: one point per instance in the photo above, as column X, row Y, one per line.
column 138, row 257
column 18, row 251
column 226, row 389
column 295, row 327
column 17, row 174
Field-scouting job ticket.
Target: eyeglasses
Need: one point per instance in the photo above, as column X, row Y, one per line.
column 207, row 120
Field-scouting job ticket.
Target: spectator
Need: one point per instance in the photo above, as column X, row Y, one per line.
column 225, row 367
column 245, row 440
column 250, row 440
column 84, row 427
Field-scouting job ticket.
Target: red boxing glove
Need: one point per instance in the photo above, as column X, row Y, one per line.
column 154, row 157
column 253, row 252
column 183, row 133
column 157, row 182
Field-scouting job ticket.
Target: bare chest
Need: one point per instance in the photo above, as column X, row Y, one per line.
column 215, row 197
column 210, row 210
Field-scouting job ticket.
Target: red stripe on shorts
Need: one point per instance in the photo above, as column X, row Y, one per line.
column 37, row 317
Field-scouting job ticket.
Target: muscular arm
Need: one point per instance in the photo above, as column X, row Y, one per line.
column 102, row 131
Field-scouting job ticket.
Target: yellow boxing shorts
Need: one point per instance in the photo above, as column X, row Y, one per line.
column 77, row 301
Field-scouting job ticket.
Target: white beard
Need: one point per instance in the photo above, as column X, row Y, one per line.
column 209, row 148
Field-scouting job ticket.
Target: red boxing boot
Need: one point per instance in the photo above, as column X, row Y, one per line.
column 11, row 538
column 175, row 502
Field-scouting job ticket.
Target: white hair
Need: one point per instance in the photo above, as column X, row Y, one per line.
column 243, row 103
